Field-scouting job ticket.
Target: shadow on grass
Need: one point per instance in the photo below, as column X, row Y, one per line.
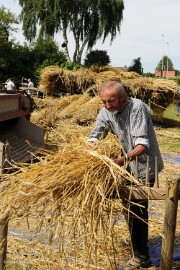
column 165, row 122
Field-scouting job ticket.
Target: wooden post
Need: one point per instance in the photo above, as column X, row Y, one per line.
column 3, row 239
column 1, row 157
column 3, row 220
column 170, row 224
column 156, row 184
column 136, row 172
column 3, row 245
column 147, row 172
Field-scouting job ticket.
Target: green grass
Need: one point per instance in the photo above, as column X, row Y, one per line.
column 168, row 144
column 170, row 113
column 170, row 126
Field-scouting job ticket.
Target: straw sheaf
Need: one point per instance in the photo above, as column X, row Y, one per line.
column 77, row 238
column 70, row 118
column 64, row 132
column 47, row 110
column 66, row 178
column 58, row 81
column 73, row 107
column 80, row 109
column 88, row 112
column 83, row 78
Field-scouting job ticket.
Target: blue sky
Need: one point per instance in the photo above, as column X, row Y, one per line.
column 144, row 23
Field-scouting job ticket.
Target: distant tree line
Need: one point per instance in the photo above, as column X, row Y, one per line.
column 88, row 21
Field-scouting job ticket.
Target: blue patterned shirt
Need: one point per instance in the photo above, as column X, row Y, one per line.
column 133, row 126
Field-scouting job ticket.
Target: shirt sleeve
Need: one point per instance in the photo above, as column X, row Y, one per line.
column 101, row 129
column 139, row 128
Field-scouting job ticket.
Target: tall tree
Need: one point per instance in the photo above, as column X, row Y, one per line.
column 7, row 20
column 97, row 57
column 47, row 50
column 88, row 20
column 165, row 63
column 136, row 66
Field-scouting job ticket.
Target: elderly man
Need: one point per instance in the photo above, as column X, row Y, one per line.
column 130, row 120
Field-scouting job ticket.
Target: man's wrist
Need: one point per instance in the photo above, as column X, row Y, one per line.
column 128, row 157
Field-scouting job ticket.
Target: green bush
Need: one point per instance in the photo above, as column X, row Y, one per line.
column 70, row 65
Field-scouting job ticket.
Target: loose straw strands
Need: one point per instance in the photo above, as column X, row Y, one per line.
column 80, row 80
column 69, row 196
column 88, row 112
column 65, row 131
column 48, row 116
column 81, row 109
column 73, row 107
column 64, row 177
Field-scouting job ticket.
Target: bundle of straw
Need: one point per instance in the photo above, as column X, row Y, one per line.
column 73, row 175
column 70, row 196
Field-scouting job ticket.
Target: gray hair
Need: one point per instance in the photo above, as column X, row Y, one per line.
column 108, row 85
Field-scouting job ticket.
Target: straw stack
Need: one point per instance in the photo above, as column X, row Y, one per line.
column 58, row 81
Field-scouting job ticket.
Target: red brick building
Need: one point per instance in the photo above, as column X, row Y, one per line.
column 166, row 74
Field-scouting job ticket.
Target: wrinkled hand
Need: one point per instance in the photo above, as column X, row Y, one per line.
column 119, row 161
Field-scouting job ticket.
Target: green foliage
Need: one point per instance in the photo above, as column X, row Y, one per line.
column 177, row 80
column 7, row 20
column 87, row 20
column 13, row 57
column 47, row 49
column 149, row 74
column 46, row 53
column 16, row 61
column 136, row 66
column 97, row 57
column 70, row 65
column 19, row 61
column 165, row 63
column 170, row 113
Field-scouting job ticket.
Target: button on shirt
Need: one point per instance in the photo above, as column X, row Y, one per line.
column 133, row 126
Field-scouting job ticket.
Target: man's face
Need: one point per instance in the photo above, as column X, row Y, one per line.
column 111, row 100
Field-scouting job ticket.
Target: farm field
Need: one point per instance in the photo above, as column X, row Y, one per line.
column 60, row 219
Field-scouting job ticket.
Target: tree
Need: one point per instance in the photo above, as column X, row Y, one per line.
column 19, row 61
column 88, row 20
column 16, row 61
column 136, row 66
column 46, row 53
column 165, row 63
column 7, row 19
column 97, row 57
column 48, row 50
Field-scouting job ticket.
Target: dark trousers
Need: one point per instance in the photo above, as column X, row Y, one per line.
column 136, row 215
column 137, row 219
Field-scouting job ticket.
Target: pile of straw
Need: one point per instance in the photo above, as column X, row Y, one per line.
column 66, row 118
column 64, row 205
column 68, row 221
column 57, row 81
column 72, row 173
column 69, row 196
